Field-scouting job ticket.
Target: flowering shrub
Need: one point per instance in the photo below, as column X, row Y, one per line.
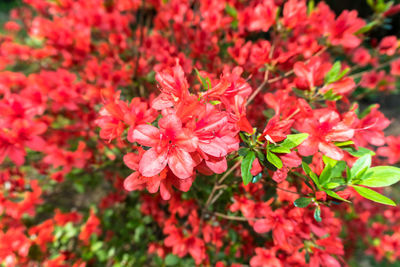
column 182, row 133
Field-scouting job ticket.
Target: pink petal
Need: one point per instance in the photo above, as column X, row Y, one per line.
column 165, row 190
column 161, row 102
column 262, row 226
column 217, row 165
column 330, row 150
column 308, row 147
column 181, row 163
column 152, row 162
column 171, row 123
column 17, row 155
column 36, row 143
column 146, row 135
column 132, row 161
column 132, row 182
column 214, row 147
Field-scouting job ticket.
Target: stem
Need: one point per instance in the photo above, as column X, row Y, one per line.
column 269, row 81
column 359, row 74
column 218, row 183
column 233, row 218
column 266, row 74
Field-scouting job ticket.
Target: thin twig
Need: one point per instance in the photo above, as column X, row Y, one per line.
column 234, row 218
column 269, row 81
column 359, row 74
column 219, row 182
column 266, row 75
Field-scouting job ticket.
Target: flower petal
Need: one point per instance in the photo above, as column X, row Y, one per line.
column 146, row 135
column 181, row 163
column 152, row 162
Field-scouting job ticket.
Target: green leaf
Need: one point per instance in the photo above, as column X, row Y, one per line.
column 311, row 174
column 205, row 82
column 243, row 151
column 381, row 176
column 331, row 96
column 260, row 155
column 279, row 149
column 274, row 160
column 302, row 202
column 317, row 214
column 325, row 175
column 231, row 10
column 360, row 167
column 335, row 195
column 215, row 102
column 293, row 140
column 246, row 167
column 374, row 196
column 332, row 185
column 329, row 161
column 345, row 143
column 96, row 246
column 344, row 72
column 367, row 110
column 367, row 27
column 171, row 260
column 334, row 170
column 361, row 151
column 333, row 73
column 310, row 6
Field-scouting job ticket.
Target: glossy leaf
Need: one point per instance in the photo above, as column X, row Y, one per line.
column 381, row 176
column 372, row 195
column 302, row 202
column 274, row 160
column 246, row 167
column 317, row 214
column 360, row 166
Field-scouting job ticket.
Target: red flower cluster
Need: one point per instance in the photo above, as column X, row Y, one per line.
column 240, row 118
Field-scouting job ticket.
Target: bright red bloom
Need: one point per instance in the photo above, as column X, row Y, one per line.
column 361, row 56
column 276, row 130
column 22, row 133
column 261, row 17
column 174, row 87
column 343, row 30
column 324, row 128
column 171, row 144
column 342, row 87
column 388, row 45
column 92, row 226
column 311, row 74
column 369, row 129
column 265, row 257
column 395, row 67
column 392, row 150
column 162, row 181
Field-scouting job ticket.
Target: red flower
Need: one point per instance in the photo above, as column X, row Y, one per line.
column 388, row 45
column 343, row 30
column 392, row 151
column 265, row 257
column 174, row 87
column 311, row 74
column 92, row 226
column 261, row 17
column 22, row 133
column 276, row 130
column 324, row 129
column 171, row 144
column 395, row 67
